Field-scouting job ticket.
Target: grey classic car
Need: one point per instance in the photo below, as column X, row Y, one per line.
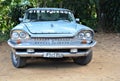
column 50, row 33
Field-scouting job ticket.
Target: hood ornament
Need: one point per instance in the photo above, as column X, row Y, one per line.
column 52, row 25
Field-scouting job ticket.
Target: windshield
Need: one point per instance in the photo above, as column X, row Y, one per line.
column 48, row 15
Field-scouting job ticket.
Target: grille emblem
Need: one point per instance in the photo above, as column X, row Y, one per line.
column 52, row 26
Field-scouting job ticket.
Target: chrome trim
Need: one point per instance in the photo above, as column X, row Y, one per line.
column 82, row 46
column 65, row 54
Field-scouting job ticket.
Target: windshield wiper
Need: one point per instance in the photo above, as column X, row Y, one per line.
column 64, row 20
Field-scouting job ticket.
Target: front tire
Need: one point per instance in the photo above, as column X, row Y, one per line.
column 17, row 61
column 83, row 60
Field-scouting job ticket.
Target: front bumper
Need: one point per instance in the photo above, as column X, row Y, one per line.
column 28, row 45
column 65, row 54
column 41, row 54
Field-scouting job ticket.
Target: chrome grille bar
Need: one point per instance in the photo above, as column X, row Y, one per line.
column 54, row 41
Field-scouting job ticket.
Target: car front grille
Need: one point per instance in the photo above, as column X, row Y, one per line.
column 53, row 41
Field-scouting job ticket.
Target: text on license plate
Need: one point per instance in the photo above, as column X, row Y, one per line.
column 52, row 55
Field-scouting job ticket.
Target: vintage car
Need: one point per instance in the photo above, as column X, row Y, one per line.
column 50, row 33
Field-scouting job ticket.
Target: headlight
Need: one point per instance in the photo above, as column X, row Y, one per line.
column 15, row 35
column 22, row 34
column 19, row 35
column 81, row 35
column 86, row 35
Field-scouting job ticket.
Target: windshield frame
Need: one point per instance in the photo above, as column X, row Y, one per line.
column 68, row 12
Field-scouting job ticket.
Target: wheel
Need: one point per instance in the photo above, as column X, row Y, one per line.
column 83, row 60
column 17, row 61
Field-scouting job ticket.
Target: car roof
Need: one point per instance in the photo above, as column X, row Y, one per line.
column 47, row 9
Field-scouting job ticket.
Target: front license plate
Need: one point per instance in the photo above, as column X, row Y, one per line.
column 53, row 55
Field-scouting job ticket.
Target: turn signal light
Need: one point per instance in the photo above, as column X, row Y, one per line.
column 84, row 42
column 18, row 41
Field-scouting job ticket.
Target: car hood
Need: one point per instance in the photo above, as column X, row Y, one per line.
column 51, row 27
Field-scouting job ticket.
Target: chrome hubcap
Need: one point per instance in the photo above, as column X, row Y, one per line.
column 15, row 58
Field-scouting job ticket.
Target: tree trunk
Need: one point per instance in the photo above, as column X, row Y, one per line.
column 100, row 16
column 38, row 3
column 61, row 4
column 44, row 3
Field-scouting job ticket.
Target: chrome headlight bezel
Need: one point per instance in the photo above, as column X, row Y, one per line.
column 15, row 35
column 22, row 35
column 86, row 35
column 19, row 35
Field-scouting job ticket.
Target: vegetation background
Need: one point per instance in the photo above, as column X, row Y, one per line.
column 100, row 15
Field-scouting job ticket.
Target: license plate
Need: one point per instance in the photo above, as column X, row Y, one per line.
column 53, row 55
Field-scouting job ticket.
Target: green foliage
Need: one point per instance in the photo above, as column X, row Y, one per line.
column 14, row 13
column 11, row 11
column 6, row 3
column 111, row 15
column 5, row 27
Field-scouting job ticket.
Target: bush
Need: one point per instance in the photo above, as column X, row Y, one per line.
column 111, row 14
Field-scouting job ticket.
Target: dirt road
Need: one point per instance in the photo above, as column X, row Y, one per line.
column 105, row 65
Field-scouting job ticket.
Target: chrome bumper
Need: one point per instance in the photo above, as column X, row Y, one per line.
column 41, row 54
column 37, row 54
column 21, row 46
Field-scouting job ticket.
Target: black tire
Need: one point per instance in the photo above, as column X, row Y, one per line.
column 17, row 61
column 83, row 60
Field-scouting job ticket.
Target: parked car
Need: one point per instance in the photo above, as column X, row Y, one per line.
column 50, row 33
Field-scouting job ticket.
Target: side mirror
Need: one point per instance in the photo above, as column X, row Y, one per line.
column 21, row 19
column 77, row 20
